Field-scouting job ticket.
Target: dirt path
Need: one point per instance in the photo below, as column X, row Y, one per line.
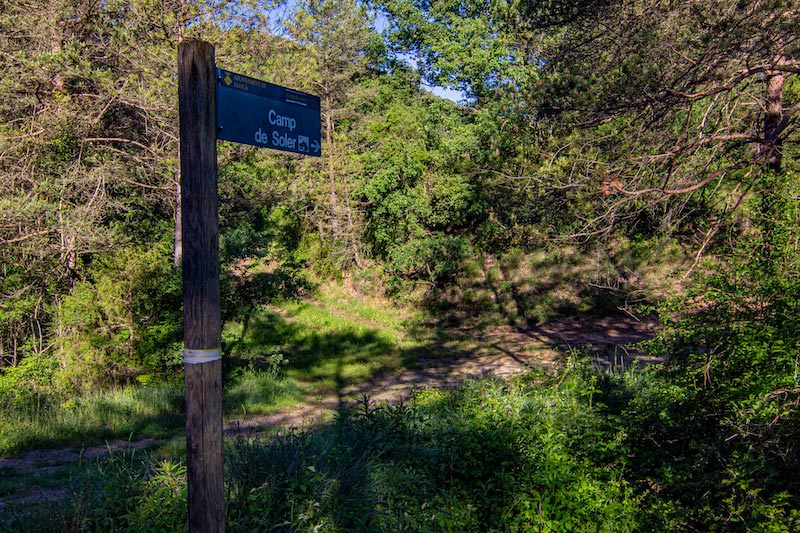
column 462, row 354
column 466, row 354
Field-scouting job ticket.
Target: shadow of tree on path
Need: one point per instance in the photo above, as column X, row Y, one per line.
column 342, row 366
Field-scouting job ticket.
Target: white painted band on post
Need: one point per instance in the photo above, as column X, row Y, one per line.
column 196, row 357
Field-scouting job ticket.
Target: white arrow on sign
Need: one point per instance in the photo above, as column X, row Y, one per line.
column 315, row 146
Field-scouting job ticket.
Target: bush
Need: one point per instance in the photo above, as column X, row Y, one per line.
column 123, row 320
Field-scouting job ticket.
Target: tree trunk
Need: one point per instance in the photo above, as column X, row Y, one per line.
column 334, row 207
column 178, row 251
column 773, row 116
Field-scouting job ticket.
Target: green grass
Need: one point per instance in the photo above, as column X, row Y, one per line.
column 51, row 477
column 491, row 455
column 254, row 392
column 151, row 411
column 134, row 412
column 581, row 451
column 274, row 357
column 339, row 339
column 376, row 312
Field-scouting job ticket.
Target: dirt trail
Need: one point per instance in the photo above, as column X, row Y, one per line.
column 497, row 351
column 465, row 353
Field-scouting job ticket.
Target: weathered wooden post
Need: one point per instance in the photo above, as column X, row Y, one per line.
column 218, row 103
column 201, row 302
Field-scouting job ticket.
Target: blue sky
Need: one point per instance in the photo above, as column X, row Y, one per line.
column 381, row 23
column 450, row 94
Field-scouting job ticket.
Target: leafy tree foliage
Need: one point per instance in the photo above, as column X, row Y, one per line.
column 338, row 36
column 695, row 91
column 584, row 119
column 89, row 145
column 640, row 112
column 421, row 206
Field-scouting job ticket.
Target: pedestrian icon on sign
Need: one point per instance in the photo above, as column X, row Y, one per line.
column 302, row 143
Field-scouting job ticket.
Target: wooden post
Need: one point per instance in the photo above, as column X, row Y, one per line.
column 202, row 334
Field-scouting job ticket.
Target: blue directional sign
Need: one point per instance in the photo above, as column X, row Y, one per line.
column 251, row 111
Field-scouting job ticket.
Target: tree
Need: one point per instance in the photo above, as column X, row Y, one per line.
column 88, row 144
column 467, row 46
column 650, row 104
column 420, row 202
column 54, row 186
column 693, row 94
column 336, row 37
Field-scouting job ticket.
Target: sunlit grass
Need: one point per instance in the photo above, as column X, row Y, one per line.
column 153, row 411
column 149, row 411
column 370, row 310
column 275, row 357
column 338, row 339
column 254, row 392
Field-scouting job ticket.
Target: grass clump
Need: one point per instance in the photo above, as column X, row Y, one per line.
column 124, row 491
column 253, row 391
column 44, row 421
column 141, row 411
column 634, row 450
column 489, row 456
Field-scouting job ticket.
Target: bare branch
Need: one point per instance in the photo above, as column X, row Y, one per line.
column 117, row 139
column 26, row 237
column 27, row 135
column 616, row 185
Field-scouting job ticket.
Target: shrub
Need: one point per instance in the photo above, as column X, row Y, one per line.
column 123, row 320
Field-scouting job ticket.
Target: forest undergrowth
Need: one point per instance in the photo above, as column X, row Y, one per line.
column 642, row 448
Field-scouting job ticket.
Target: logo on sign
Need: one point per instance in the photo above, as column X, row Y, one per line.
column 303, row 143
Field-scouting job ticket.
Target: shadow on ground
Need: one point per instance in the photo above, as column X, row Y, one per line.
column 354, row 365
